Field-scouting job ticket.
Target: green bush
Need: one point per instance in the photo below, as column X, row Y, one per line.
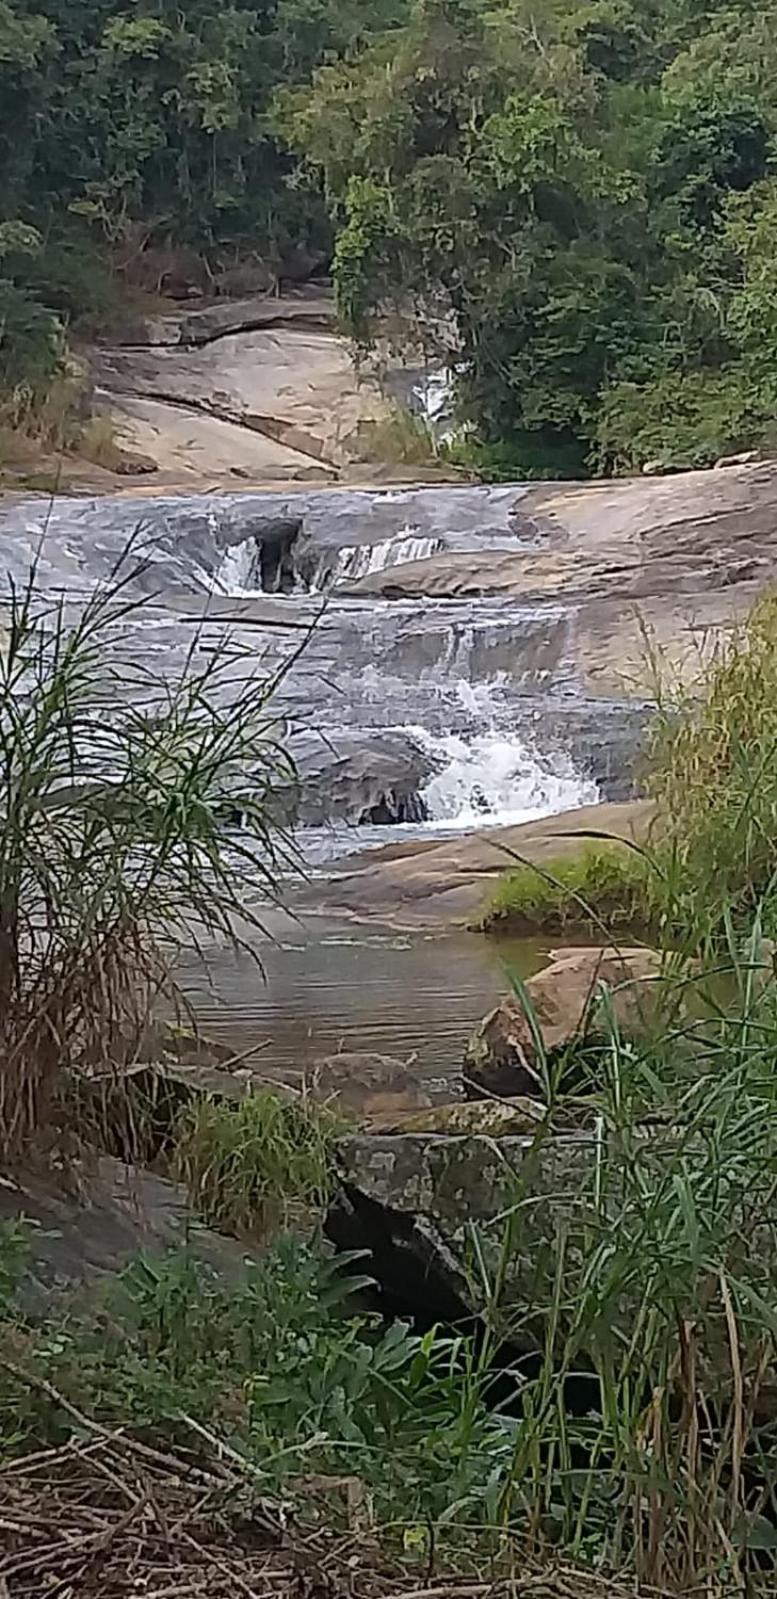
column 711, row 767
column 31, row 346
column 683, row 419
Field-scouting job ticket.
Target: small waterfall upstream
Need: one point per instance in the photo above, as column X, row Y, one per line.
column 419, row 714
column 407, row 719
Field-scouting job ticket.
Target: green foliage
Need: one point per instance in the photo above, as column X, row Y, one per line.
column 639, row 1298
column 685, row 419
column 278, row 1363
column 13, row 1263
column 31, row 345
column 123, row 128
column 712, row 770
column 401, row 437
column 588, row 197
column 247, row 1165
column 653, row 1292
column 710, row 766
column 593, row 884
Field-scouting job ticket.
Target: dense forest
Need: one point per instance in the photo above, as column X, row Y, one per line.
column 576, row 202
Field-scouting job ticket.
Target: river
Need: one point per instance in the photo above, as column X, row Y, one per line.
column 406, row 718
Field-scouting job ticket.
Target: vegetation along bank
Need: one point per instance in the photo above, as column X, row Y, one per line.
column 574, row 209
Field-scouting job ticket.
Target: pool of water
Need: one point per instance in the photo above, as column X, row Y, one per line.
column 326, row 987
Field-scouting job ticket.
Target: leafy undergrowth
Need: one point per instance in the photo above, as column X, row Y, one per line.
column 288, row 1372
column 616, row 1409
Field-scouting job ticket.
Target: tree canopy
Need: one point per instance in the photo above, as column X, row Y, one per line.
column 578, row 199
column 589, row 191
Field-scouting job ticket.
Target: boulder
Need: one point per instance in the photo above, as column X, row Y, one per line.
column 87, row 1228
column 503, row 1056
column 359, row 776
column 416, row 1203
column 369, row 1085
column 433, row 882
column 498, row 1118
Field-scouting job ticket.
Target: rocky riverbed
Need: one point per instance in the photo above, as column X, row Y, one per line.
column 474, row 656
column 426, row 713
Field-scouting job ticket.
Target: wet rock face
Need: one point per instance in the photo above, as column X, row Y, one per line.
column 276, row 544
column 176, row 544
column 393, row 809
column 490, row 688
column 361, row 777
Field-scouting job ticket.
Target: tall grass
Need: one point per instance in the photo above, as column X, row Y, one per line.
column 645, row 1306
column 636, row 1271
column 711, row 767
column 251, row 1165
column 114, row 794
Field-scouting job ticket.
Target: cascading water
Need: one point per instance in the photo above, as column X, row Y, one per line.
column 363, row 560
column 490, row 779
column 426, row 714
column 239, row 573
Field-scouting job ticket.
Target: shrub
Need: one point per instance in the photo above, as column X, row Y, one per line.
column 711, row 767
column 276, row 1362
column 682, row 419
column 31, row 347
column 599, row 883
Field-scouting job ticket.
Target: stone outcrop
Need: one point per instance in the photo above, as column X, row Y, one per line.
column 414, row 1202
column 359, row 777
column 99, row 1223
column 680, row 556
column 517, row 1117
column 564, row 1007
column 261, row 389
column 433, row 883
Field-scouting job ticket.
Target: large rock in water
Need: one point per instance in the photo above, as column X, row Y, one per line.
column 564, row 1005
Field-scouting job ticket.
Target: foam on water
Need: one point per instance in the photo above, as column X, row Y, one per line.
column 494, row 779
column 490, row 775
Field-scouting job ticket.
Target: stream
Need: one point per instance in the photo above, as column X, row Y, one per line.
column 331, row 986
column 407, row 718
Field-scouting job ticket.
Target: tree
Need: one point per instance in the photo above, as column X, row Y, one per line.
column 560, row 188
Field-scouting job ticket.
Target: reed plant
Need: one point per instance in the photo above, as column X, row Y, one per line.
column 116, row 794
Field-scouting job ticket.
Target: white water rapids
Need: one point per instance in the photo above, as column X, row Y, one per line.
column 492, row 779
column 415, row 714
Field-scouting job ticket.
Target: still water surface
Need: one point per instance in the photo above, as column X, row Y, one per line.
column 328, row 987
